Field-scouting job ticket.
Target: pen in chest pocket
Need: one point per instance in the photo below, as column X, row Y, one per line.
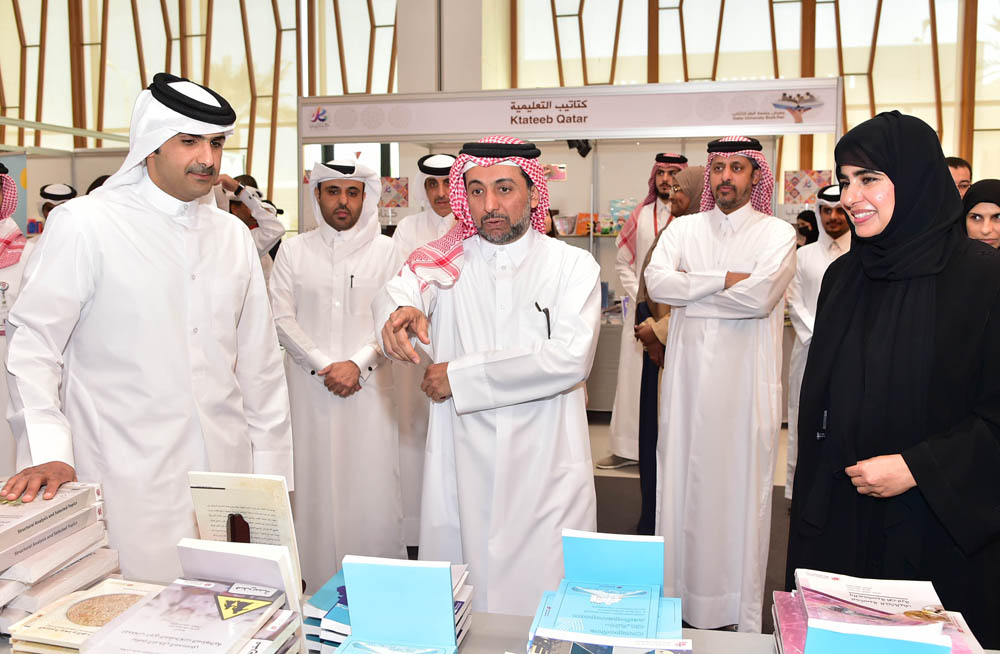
column 548, row 325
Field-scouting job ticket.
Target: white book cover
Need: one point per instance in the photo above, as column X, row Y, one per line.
column 267, row 565
column 332, row 636
column 189, row 615
column 262, row 500
column 19, row 520
column 9, row 616
column 9, row 590
column 293, row 646
column 274, row 635
column 880, row 608
column 459, row 575
column 70, row 620
column 55, row 530
column 56, row 555
column 462, row 628
column 88, row 570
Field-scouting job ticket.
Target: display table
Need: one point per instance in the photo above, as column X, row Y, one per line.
column 493, row 633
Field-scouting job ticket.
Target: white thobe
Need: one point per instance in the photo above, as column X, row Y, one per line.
column 625, row 414
column 720, row 407
column 11, row 275
column 412, row 404
column 346, row 469
column 811, row 262
column 153, row 314
column 508, row 455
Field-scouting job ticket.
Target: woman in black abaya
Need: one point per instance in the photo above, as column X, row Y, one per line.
column 899, row 423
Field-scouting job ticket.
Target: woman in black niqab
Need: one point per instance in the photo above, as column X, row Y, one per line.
column 903, row 381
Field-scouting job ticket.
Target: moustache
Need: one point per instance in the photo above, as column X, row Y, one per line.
column 493, row 215
column 722, row 186
column 201, row 169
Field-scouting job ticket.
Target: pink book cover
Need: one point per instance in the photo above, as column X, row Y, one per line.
column 791, row 622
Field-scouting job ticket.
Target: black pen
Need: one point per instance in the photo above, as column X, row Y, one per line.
column 352, row 281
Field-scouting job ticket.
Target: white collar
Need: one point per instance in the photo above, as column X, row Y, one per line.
column 844, row 241
column 517, row 251
column 164, row 202
column 736, row 218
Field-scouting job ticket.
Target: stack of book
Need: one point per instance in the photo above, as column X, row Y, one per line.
column 50, row 548
column 328, row 620
column 65, row 624
column 610, row 598
column 830, row 613
column 199, row 616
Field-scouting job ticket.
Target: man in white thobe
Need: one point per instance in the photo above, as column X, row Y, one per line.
column 142, row 344
column 724, row 272
column 241, row 197
column 14, row 252
column 343, row 421
column 430, row 191
column 636, row 237
column 513, row 327
column 811, row 262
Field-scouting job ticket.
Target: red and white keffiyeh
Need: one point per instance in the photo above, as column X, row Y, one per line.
column 440, row 261
column 627, row 237
column 760, row 197
column 11, row 239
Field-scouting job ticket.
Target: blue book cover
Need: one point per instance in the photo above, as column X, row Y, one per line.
column 330, row 595
column 626, row 611
column 668, row 619
column 545, row 607
column 613, row 558
column 399, row 606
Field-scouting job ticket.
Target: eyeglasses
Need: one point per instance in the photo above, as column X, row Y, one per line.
column 676, row 188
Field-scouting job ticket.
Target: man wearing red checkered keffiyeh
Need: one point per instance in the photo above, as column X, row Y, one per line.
column 511, row 320
column 724, row 272
column 14, row 251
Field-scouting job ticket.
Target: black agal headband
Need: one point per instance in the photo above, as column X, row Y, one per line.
column 501, row 150
column 188, row 106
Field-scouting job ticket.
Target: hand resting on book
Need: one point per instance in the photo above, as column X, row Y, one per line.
column 29, row 481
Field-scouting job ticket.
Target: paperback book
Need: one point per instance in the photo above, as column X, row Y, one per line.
column 19, row 521
column 70, row 620
column 190, row 615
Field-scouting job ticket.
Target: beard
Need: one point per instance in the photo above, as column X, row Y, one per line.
column 735, row 201
column 515, row 232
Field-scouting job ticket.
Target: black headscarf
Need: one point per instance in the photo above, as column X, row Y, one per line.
column 868, row 371
column 812, row 235
column 985, row 190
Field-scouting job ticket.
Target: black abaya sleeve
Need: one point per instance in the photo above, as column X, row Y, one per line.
column 958, row 471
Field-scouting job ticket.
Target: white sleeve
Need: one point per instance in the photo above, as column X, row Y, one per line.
column 296, row 342
column 802, row 319
column 57, row 285
column 261, row 378
column 402, row 290
column 269, row 229
column 488, row 380
column 756, row 296
column 666, row 284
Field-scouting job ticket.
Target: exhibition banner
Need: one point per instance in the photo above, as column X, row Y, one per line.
column 796, row 106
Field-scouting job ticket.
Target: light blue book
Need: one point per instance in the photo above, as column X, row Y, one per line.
column 612, row 558
column 623, row 611
column 399, row 606
column 668, row 620
column 330, row 595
